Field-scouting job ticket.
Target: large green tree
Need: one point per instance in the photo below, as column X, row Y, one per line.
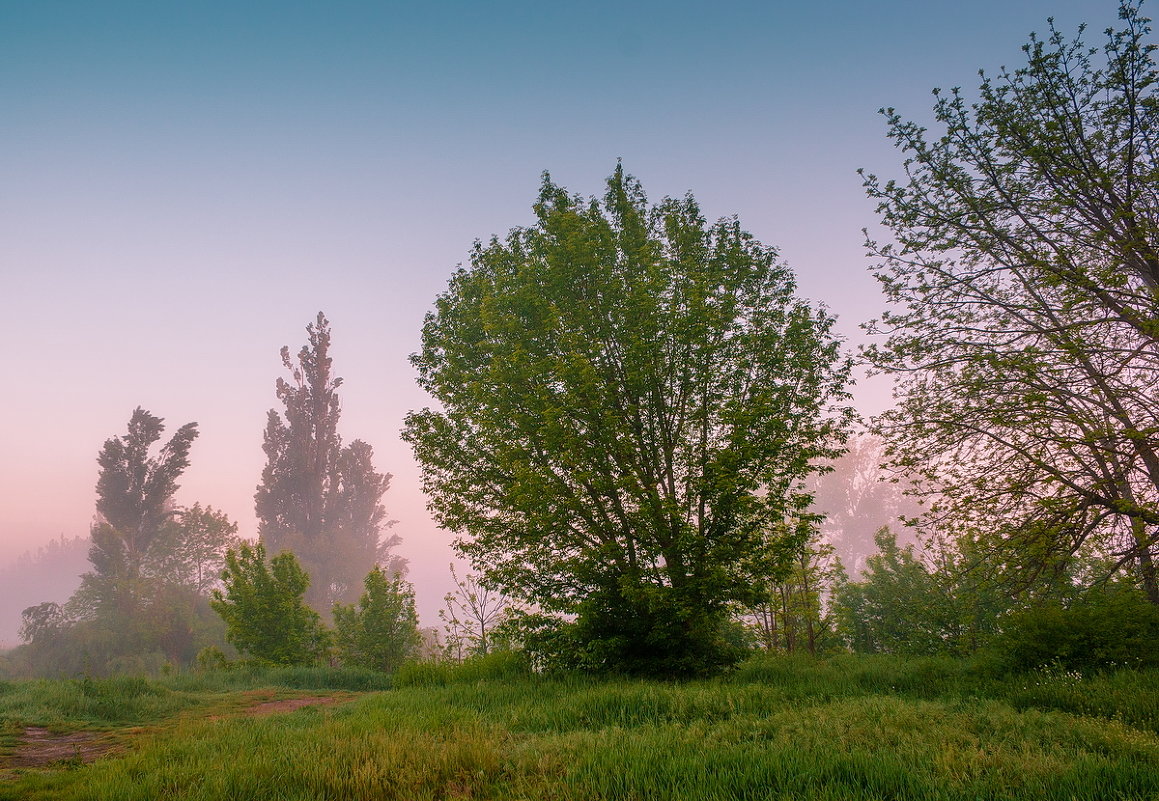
column 317, row 498
column 630, row 401
column 1023, row 274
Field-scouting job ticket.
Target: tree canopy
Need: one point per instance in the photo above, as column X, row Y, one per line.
column 317, row 498
column 135, row 511
column 630, row 401
column 1023, row 277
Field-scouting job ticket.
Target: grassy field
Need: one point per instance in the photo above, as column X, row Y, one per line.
column 842, row 728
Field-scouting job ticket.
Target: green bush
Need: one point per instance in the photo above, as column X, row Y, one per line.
column 1112, row 628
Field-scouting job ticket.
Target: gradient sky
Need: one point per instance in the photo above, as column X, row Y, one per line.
column 183, row 186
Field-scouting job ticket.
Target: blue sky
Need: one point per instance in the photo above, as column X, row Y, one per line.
column 184, row 185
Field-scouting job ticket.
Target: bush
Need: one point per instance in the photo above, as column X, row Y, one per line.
column 211, row 658
column 1112, row 628
column 382, row 631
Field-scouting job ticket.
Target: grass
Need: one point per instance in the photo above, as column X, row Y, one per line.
column 842, row 728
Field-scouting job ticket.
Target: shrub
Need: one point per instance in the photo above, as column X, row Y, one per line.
column 1112, row 628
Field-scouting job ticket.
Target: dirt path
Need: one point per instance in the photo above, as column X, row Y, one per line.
column 39, row 747
column 290, row 704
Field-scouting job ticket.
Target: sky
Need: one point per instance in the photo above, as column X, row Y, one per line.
column 183, row 186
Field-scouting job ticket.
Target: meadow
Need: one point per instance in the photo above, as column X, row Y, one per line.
column 844, row 727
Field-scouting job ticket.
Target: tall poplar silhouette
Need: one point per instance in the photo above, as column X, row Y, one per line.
column 134, row 507
column 317, row 498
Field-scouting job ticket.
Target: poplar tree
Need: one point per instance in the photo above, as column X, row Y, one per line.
column 318, row 499
column 135, row 524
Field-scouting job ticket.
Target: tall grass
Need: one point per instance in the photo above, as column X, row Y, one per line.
column 243, row 677
column 88, row 703
column 846, row 728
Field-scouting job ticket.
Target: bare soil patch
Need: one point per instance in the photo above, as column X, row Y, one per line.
column 39, row 747
column 290, row 704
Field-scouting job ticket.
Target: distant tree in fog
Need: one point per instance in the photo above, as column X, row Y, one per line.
column 143, row 602
column 317, row 498
column 196, row 555
column 135, row 513
column 857, row 498
column 41, row 621
column 50, row 574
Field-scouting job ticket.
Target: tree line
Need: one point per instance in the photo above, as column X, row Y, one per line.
column 634, row 408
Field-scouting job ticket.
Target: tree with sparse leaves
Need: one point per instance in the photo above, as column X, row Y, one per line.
column 318, row 499
column 631, row 399
column 197, row 557
column 791, row 612
column 1024, row 281
column 471, row 614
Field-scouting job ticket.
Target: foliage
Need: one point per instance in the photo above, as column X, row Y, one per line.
column 856, row 498
column 1103, row 629
column 631, row 401
column 382, row 631
column 548, row 644
column 43, row 621
column 196, row 557
column 142, row 606
column 50, row 574
column 1023, row 277
column 263, row 608
column 471, row 616
column 134, row 516
column 792, row 615
column 317, row 498
column 903, row 606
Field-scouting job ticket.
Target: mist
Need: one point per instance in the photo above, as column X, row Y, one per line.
column 49, row 574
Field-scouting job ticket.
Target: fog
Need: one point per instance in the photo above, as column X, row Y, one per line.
column 185, row 189
column 853, row 497
column 51, row 573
